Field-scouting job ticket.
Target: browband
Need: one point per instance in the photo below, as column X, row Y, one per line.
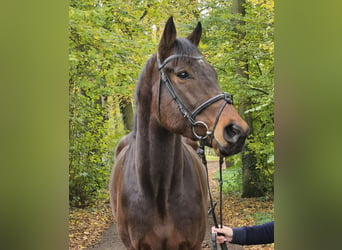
column 170, row 58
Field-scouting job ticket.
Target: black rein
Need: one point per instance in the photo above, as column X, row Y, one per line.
column 201, row 153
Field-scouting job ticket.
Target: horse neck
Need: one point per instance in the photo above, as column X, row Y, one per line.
column 159, row 155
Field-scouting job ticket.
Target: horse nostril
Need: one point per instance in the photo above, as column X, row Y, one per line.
column 232, row 132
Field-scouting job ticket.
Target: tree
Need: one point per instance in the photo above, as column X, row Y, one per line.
column 239, row 43
column 91, row 84
column 251, row 185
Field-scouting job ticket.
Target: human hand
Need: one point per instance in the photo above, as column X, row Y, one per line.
column 227, row 234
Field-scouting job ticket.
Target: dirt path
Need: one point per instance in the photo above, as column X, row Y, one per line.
column 111, row 241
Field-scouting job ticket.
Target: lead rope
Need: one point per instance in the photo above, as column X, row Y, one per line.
column 201, row 153
column 223, row 245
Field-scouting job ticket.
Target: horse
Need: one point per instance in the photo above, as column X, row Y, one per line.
column 158, row 185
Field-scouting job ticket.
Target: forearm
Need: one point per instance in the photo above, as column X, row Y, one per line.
column 260, row 234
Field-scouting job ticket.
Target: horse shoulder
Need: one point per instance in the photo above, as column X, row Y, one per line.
column 116, row 178
column 124, row 142
column 199, row 173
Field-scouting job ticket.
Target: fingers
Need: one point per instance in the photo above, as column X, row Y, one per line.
column 217, row 230
column 227, row 234
column 221, row 239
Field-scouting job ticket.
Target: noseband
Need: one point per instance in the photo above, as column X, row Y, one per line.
column 191, row 116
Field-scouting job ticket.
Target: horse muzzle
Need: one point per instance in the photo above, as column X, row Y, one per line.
column 232, row 140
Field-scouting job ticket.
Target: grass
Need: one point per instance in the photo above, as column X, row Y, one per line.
column 262, row 217
column 212, row 158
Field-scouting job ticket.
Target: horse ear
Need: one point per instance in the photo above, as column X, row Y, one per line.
column 195, row 36
column 168, row 38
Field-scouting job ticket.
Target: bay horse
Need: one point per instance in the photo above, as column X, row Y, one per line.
column 158, row 185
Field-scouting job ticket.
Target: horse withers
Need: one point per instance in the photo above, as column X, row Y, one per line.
column 158, row 186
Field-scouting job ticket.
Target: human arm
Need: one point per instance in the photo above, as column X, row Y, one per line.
column 259, row 234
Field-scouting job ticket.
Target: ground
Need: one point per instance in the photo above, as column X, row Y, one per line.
column 93, row 228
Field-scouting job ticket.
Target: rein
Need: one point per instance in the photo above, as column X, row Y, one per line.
column 191, row 117
column 201, row 153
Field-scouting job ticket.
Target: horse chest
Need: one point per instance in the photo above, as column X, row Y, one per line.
column 180, row 203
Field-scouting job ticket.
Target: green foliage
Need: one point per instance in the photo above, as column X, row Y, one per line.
column 93, row 80
column 225, row 48
column 261, row 218
column 232, row 179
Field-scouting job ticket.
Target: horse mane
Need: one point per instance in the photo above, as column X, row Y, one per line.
column 147, row 69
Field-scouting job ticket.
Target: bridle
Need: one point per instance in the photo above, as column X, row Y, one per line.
column 191, row 117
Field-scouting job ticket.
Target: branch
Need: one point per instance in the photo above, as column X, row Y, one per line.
column 258, row 89
column 143, row 15
column 257, row 64
column 221, row 69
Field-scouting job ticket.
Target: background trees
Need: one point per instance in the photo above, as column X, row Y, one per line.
column 240, row 46
column 109, row 44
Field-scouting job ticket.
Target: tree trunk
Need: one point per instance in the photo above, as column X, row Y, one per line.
column 126, row 111
column 251, row 184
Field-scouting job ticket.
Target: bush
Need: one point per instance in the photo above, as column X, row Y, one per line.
column 232, row 179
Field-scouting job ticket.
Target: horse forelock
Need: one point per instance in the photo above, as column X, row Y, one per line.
column 184, row 46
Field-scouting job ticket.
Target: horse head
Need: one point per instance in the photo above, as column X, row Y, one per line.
column 188, row 98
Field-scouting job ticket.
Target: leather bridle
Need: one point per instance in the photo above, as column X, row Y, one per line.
column 191, row 115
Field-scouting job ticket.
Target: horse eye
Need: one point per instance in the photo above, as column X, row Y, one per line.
column 183, row 75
